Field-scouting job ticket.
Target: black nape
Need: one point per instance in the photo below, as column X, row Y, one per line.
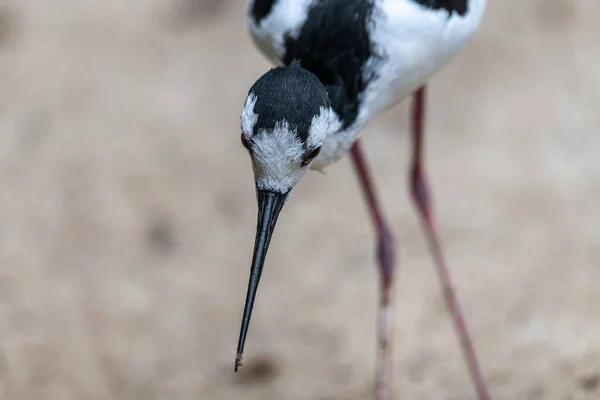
column 334, row 44
column 288, row 94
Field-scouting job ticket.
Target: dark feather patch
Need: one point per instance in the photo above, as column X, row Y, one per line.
column 290, row 94
column 458, row 6
column 334, row 44
column 261, row 9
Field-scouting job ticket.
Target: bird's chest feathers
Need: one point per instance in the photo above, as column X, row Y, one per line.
column 395, row 46
column 412, row 43
column 279, row 20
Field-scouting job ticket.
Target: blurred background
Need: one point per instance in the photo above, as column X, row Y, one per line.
column 127, row 215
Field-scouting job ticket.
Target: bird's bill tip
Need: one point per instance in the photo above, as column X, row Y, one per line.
column 269, row 206
column 238, row 361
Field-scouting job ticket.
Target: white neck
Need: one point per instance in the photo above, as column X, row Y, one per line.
column 337, row 144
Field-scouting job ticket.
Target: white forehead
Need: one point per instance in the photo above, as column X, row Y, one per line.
column 276, row 157
column 277, row 153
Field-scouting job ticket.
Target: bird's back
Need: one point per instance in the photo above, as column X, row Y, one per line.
column 329, row 38
column 369, row 54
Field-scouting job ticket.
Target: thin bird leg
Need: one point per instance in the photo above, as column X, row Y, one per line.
column 386, row 258
column 422, row 199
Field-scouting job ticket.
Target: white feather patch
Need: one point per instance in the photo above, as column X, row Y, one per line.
column 249, row 118
column 276, row 158
column 285, row 19
column 277, row 154
column 322, row 126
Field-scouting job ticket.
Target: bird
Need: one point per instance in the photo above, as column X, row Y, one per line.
column 336, row 66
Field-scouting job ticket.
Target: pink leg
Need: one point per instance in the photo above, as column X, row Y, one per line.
column 421, row 197
column 386, row 258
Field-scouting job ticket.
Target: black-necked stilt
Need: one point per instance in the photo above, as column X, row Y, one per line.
column 340, row 64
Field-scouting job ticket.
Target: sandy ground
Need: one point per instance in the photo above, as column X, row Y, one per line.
column 128, row 212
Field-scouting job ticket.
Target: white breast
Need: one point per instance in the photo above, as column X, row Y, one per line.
column 411, row 42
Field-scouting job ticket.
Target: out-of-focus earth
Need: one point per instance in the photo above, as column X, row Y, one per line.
column 127, row 215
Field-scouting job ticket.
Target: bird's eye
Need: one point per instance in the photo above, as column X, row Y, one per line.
column 245, row 143
column 310, row 156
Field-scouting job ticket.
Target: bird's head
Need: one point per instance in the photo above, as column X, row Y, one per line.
column 285, row 121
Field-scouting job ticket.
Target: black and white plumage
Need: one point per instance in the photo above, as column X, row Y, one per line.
column 287, row 117
column 340, row 63
column 368, row 54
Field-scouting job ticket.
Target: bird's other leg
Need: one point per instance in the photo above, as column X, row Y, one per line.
column 422, row 199
column 386, row 258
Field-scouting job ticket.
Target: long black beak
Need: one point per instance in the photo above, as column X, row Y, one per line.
column 269, row 206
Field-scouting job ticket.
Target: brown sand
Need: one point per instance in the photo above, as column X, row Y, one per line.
column 127, row 215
